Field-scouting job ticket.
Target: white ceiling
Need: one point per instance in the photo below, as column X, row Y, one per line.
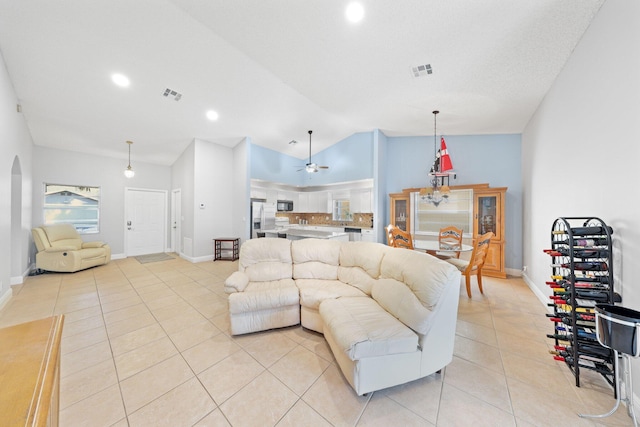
column 273, row 69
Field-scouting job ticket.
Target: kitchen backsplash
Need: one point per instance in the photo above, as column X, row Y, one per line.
column 364, row 220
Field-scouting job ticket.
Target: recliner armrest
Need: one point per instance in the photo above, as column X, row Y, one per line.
column 96, row 244
column 54, row 249
column 237, row 282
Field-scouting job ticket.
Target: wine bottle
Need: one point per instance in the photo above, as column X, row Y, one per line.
column 584, row 266
column 578, row 253
column 591, row 279
column 585, row 231
column 587, row 364
column 588, row 349
column 584, row 243
column 569, row 321
column 560, row 337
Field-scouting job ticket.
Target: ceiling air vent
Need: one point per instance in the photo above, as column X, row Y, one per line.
column 421, row 70
column 172, row 94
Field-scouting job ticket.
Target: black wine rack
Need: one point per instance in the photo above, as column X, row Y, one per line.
column 582, row 276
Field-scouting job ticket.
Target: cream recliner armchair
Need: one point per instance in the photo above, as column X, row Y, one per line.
column 61, row 249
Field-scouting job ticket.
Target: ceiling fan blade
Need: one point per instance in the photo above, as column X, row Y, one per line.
column 323, row 167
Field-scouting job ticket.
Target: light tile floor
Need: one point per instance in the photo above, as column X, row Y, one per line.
column 148, row 345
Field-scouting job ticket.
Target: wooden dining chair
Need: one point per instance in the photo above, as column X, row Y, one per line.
column 449, row 236
column 399, row 238
column 475, row 263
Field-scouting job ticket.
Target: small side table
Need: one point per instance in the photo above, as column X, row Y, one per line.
column 226, row 248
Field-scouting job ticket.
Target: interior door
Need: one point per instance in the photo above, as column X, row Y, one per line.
column 176, row 221
column 145, row 221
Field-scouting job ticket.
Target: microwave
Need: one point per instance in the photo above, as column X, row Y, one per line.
column 285, row 205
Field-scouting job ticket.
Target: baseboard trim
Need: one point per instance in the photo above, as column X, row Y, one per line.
column 4, row 298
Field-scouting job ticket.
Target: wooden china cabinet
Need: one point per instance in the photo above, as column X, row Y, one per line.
column 487, row 213
column 400, row 212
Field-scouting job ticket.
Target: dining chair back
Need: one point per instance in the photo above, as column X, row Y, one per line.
column 475, row 263
column 452, row 236
column 398, row 238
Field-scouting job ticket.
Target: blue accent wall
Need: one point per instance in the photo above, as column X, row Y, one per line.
column 403, row 162
column 349, row 160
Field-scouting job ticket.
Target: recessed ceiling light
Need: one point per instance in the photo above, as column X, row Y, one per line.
column 355, row 12
column 212, row 115
column 120, row 80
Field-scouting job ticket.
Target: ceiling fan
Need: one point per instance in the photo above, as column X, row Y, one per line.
column 312, row 167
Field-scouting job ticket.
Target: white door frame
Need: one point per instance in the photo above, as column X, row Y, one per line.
column 126, row 213
column 176, row 221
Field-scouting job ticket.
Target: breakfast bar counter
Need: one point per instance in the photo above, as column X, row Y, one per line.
column 297, row 234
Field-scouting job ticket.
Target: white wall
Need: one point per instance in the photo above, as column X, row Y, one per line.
column 182, row 178
column 67, row 167
column 15, row 141
column 581, row 149
column 213, row 172
column 241, row 189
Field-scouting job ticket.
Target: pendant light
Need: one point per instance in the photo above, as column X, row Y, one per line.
column 128, row 172
column 438, row 189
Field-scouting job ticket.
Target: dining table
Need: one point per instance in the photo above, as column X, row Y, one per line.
column 433, row 246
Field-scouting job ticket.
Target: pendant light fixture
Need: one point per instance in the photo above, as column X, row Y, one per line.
column 128, row 172
column 438, row 189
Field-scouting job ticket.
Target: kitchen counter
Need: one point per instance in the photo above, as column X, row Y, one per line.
column 301, row 233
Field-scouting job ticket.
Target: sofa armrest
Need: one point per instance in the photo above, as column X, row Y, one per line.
column 54, row 249
column 97, row 244
column 237, row 282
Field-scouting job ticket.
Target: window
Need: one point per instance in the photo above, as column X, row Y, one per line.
column 427, row 219
column 71, row 204
column 341, row 210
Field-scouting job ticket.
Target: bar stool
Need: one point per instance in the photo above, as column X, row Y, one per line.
column 618, row 329
column 282, row 235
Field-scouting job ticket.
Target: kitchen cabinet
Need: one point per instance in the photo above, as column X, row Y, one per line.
column 258, row 193
column 321, row 201
column 272, row 196
column 360, row 201
column 303, row 203
column 368, row 235
column 313, row 202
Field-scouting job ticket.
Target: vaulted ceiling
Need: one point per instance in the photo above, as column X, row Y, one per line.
column 273, row 69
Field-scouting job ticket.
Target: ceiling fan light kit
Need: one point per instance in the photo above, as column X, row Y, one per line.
column 311, row 167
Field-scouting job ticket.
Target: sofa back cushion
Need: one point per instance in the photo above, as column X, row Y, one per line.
column 366, row 255
column 266, row 259
column 396, row 298
column 360, row 264
column 63, row 235
column 424, row 274
column 315, row 258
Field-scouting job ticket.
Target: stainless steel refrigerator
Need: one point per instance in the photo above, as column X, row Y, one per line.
column 263, row 217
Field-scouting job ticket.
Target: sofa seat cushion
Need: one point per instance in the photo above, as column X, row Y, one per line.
column 314, row 291
column 264, row 295
column 361, row 328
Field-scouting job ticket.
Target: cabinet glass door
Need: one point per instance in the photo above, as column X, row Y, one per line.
column 401, row 214
column 486, row 214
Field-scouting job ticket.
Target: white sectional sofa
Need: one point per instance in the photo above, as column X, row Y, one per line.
column 388, row 314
